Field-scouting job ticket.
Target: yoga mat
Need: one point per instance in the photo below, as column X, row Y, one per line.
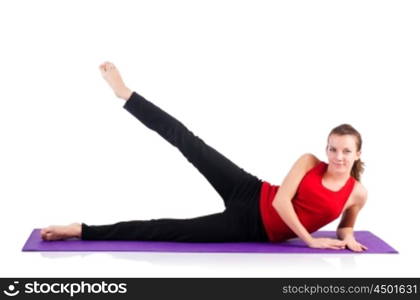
column 374, row 243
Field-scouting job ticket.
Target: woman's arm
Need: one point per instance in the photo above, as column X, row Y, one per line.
column 283, row 204
column 345, row 227
column 283, row 199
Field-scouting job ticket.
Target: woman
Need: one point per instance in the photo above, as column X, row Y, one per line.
column 312, row 195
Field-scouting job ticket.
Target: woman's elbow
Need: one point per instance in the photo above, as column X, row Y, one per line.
column 281, row 202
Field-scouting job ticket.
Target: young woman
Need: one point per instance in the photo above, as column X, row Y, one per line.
column 312, row 194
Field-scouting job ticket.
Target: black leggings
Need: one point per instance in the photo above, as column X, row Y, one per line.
column 240, row 191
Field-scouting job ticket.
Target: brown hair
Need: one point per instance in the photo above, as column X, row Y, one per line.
column 343, row 129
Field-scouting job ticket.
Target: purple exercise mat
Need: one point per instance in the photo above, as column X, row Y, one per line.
column 35, row 243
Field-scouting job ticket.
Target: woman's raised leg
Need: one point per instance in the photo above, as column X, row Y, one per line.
column 220, row 172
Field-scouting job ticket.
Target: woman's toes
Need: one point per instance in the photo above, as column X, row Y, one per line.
column 103, row 71
column 44, row 230
column 108, row 66
column 49, row 236
column 61, row 232
column 47, row 233
column 44, row 236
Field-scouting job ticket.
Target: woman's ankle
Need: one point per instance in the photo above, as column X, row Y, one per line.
column 125, row 94
column 76, row 230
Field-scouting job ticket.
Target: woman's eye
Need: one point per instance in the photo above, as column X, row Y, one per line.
column 346, row 151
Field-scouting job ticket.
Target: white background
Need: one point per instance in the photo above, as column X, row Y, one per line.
column 261, row 81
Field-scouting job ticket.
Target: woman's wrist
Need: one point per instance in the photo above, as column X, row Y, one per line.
column 345, row 233
column 348, row 238
column 309, row 240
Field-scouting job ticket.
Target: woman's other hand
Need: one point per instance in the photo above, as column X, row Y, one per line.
column 327, row 243
column 354, row 245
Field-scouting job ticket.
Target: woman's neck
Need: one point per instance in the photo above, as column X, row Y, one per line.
column 336, row 177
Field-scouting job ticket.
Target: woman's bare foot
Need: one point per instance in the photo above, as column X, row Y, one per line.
column 111, row 74
column 56, row 232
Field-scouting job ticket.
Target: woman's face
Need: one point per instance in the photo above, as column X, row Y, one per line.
column 342, row 152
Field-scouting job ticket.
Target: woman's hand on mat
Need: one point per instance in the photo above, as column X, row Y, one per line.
column 354, row 245
column 327, row 243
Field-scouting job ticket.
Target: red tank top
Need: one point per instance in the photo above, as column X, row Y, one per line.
column 315, row 205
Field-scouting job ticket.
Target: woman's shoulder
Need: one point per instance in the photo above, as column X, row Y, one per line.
column 360, row 193
column 310, row 159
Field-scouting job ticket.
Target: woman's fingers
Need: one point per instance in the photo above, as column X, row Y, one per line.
column 337, row 244
column 334, row 247
column 328, row 243
column 358, row 248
